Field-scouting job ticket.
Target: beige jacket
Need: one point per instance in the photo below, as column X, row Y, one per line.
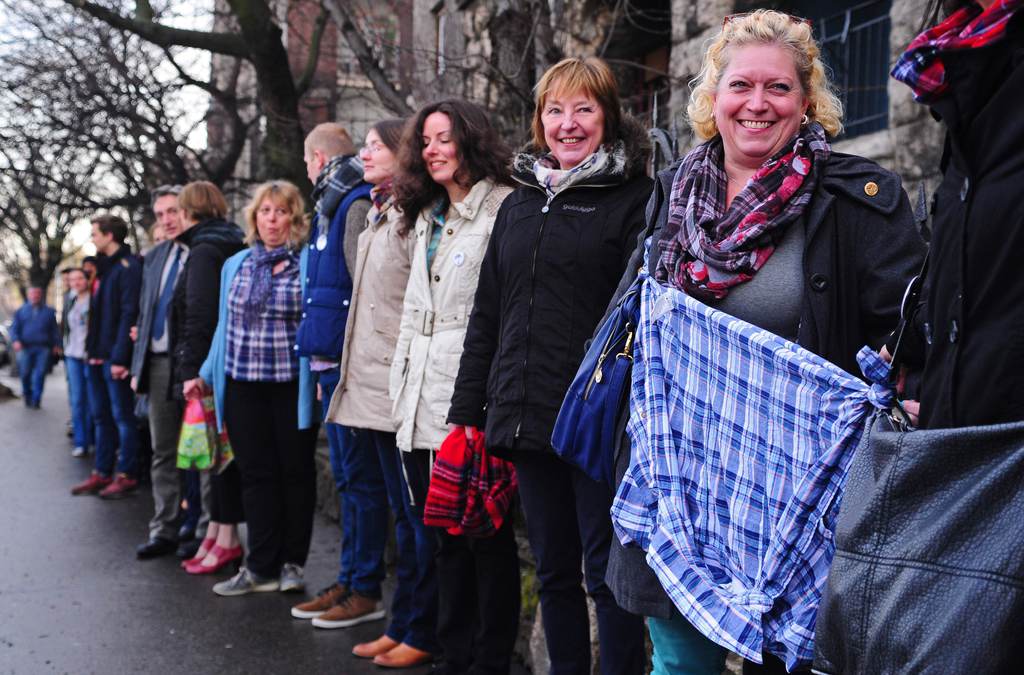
column 381, row 273
column 436, row 311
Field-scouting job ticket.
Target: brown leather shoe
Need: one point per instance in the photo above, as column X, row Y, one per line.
column 350, row 611
column 368, row 650
column 403, row 656
column 91, row 485
column 326, row 599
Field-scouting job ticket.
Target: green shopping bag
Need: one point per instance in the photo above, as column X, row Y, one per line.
column 200, row 446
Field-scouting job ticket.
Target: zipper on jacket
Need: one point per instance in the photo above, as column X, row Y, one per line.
column 533, row 281
column 529, row 312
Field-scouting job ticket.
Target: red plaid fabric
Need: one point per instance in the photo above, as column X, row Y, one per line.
column 470, row 491
column 921, row 67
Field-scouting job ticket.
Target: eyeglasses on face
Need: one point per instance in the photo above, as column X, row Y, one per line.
column 372, row 148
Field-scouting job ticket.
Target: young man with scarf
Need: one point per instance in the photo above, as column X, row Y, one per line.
column 342, row 201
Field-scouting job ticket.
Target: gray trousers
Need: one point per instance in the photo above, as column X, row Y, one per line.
column 164, row 427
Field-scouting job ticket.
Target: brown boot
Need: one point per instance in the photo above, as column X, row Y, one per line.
column 403, row 656
column 368, row 650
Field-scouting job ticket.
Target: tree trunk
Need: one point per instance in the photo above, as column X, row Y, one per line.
column 279, row 99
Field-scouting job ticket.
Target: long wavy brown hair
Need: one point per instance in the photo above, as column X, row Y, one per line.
column 481, row 152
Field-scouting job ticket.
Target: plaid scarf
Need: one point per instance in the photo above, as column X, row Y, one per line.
column 336, row 179
column 380, row 195
column 921, row 67
column 263, row 261
column 708, row 248
column 470, row 490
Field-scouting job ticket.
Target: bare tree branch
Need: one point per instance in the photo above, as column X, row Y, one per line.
column 313, row 57
column 389, row 96
column 165, row 36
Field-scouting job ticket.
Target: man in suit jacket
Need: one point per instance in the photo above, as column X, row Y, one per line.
column 151, row 372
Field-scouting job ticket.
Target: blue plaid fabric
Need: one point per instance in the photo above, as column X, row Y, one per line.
column 264, row 351
column 741, row 443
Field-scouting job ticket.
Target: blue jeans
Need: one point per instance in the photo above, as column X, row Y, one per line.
column 32, row 361
column 362, row 498
column 113, row 411
column 82, row 430
column 681, row 649
column 414, row 605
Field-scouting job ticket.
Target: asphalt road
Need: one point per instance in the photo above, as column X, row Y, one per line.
column 73, row 598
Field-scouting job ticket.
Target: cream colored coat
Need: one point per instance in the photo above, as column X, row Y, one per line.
column 381, row 273
column 435, row 314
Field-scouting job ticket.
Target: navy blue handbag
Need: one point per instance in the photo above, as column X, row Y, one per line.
column 586, row 429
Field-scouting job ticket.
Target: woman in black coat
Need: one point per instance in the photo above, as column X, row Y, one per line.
column 972, row 320
column 559, row 245
column 209, row 240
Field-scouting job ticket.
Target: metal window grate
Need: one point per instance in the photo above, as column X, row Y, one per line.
column 855, row 46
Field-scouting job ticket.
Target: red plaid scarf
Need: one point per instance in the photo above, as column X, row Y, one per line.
column 470, row 491
column 707, row 249
column 921, row 67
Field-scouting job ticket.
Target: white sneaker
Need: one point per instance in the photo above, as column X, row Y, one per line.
column 78, row 451
column 243, row 583
column 291, row 578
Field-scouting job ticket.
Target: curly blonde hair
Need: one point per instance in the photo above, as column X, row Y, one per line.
column 760, row 27
column 285, row 194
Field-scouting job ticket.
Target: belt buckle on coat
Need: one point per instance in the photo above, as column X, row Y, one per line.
column 427, row 323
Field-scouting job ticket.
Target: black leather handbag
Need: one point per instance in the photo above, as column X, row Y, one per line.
column 928, row 575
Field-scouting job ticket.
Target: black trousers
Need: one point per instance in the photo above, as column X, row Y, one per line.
column 226, row 496
column 277, row 468
column 478, row 588
column 568, row 522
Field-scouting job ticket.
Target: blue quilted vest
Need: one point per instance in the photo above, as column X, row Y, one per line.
column 328, row 286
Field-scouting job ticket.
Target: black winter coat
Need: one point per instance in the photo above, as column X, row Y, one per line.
column 114, row 308
column 973, row 315
column 545, row 280
column 192, row 319
column 860, row 252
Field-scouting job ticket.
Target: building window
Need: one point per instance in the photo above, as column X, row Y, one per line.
column 855, row 47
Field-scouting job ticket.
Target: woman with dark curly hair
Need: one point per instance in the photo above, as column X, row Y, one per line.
column 453, row 176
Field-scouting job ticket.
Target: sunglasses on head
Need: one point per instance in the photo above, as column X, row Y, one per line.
column 740, row 15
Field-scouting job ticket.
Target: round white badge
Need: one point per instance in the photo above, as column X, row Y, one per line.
column 321, row 242
column 459, row 258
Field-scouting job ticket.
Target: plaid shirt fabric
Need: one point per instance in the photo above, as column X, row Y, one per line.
column 264, row 351
column 741, row 443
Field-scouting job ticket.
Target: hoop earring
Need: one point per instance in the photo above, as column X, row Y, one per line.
column 805, row 120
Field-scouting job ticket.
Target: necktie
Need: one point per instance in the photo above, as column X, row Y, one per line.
column 160, row 318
